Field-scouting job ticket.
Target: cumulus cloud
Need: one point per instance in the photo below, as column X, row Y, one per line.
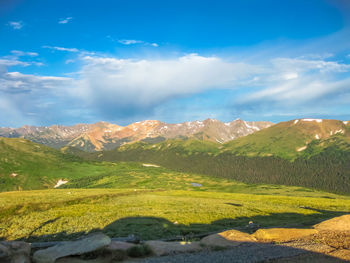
column 112, row 84
column 293, row 83
column 114, row 88
column 16, row 24
column 65, row 20
column 30, row 99
column 62, row 48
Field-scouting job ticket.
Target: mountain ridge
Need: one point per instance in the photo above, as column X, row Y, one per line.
column 106, row 136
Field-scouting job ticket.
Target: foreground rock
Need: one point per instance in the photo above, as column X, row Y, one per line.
column 341, row 223
column 91, row 243
column 118, row 250
column 230, row 238
column 14, row 252
column 79, row 260
column 161, row 248
column 282, row 234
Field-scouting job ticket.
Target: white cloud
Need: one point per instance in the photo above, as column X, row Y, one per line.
column 68, row 61
column 19, row 53
column 290, row 75
column 16, row 24
column 300, row 81
column 133, row 42
column 64, row 20
column 113, row 87
column 130, row 41
column 62, row 48
column 13, row 59
column 113, row 84
column 13, row 62
column 303, row 65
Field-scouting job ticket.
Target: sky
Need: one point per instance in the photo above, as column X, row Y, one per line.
column 83, row 61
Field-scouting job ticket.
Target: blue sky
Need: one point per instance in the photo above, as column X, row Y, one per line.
column 67, row 62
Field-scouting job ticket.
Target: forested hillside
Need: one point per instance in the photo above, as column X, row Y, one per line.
column 272, row 155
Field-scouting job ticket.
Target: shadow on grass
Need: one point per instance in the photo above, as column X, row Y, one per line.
column 159, row 228
column 147, row 228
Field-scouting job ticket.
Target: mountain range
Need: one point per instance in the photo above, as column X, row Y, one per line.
column 106, row 136
column 312, row 153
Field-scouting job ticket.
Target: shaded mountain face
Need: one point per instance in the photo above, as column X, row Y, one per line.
column 106, row 136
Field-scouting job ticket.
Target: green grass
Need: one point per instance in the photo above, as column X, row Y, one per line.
column 128, row 198
column 126, row 175
column 68, row 213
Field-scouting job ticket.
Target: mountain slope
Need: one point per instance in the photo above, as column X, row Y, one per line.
column 290, row 139
column 271, row 155
column 106, row 136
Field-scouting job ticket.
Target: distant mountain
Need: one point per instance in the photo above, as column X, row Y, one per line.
column 292, row 139
column 305, row 152
column 106, row 136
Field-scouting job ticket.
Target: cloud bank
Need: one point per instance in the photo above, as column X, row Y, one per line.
column 111, row 88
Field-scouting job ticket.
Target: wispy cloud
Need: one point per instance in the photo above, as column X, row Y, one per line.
column 130, row 41
column 16, row 24
column 65, row 20
column 20, row 53
column 14, row 59
column 62, row 48
column 134, row 42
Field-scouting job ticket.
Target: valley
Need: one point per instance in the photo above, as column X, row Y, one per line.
column 182, row 187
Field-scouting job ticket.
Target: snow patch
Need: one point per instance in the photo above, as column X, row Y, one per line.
column 345, row 122
column 296, row 121
column 251, row 127
column 301, row 148
column 150, row 165
column 60, row 182
column 317, row 120
column 339, row 131
column 218, row 141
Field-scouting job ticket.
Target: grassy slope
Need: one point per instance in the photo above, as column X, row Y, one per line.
column 130, row 198
column 268, row 156
column 68, row 213
column 284, row 139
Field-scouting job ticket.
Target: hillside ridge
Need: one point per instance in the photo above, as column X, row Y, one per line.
column 107, row 136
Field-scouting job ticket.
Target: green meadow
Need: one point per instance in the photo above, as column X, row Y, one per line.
column 124, row 198
column 61, row 214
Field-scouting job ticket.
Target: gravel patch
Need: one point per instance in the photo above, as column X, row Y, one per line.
column 246, row 253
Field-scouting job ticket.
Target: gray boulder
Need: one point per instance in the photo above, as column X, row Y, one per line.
column 14, row 252
column 90, row 243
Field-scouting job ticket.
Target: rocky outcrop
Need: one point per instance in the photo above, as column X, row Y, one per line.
column 88, row 244
column 329, row 240
column 14, row 252
column 230, row 238
column 341, row 223
column 161, row 248
column 282, row 234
